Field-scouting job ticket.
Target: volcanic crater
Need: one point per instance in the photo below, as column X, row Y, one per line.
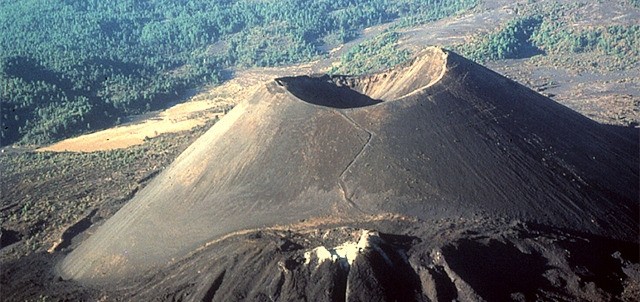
column 436, row 180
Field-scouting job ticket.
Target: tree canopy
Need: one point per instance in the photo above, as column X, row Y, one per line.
column 71, row 66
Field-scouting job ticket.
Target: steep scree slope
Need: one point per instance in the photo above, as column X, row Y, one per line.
column 438, row 138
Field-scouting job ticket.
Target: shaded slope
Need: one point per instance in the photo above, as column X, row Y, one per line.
column 476, row 142
column 441, row 137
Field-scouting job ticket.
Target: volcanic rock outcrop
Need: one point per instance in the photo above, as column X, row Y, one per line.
column 437, row 139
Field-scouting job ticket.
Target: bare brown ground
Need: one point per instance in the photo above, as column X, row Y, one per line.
column 205, row 106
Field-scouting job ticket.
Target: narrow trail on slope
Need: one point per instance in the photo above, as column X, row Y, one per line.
column 341, row 183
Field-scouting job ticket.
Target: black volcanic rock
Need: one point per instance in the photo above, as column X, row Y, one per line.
column 433, row 142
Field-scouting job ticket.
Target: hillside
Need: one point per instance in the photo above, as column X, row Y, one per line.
column 439, row 139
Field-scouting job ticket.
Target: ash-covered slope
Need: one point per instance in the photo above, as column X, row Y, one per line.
column 439, row 138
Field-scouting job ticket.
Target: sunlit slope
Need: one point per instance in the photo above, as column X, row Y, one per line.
column 236, row 176
column 440, row 137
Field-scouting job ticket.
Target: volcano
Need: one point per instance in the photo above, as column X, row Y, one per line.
column 436, row 180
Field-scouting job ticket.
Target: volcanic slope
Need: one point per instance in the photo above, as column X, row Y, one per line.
column 438, row 138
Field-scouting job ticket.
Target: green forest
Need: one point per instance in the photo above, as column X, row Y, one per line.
column 547, row 33
column 378, row 53
column 73, row 66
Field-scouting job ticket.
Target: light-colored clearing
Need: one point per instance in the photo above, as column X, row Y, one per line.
column 181, row 117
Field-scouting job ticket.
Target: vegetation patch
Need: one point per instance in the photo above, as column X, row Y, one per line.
column 621, row 44
column 513, row 41
column 68, row 67
column 435, row 10
column 378, row 53
column 549, row 31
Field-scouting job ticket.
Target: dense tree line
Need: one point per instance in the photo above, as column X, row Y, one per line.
column 617, row 40
column 375, row 54
column 70, row 66
column 512, row 41
column 527, row 36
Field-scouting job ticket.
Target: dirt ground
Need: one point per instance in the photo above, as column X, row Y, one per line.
column 211, row 104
